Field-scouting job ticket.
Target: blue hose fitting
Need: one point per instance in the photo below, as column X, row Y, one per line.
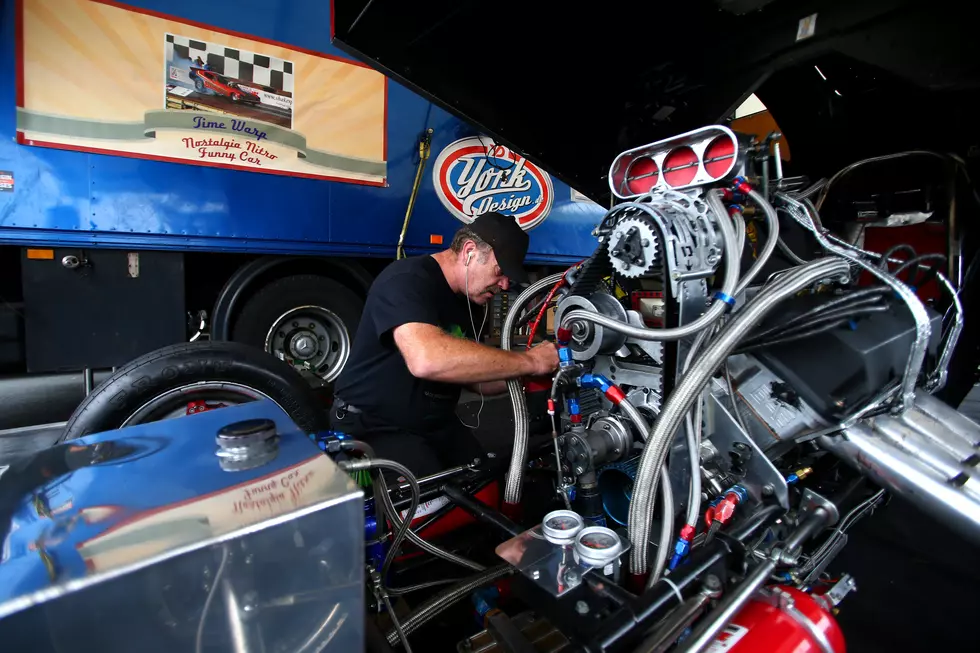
column 565, row 357
column 738, row 490
column 594, row 381
column 681, row 549
column 574, row 412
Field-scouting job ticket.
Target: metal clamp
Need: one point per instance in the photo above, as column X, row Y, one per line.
column 810, row 501
column 785, row 603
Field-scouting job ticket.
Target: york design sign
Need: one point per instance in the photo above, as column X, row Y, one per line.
column 473, row 176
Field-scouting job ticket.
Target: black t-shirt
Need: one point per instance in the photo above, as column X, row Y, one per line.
column 376, row 379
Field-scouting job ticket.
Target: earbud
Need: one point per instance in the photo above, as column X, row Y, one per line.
column 468, row 257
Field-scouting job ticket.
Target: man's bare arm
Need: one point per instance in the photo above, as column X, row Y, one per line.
column 432, row 354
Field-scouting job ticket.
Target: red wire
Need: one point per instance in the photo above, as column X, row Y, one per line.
column 547, row 300
column 544, row 309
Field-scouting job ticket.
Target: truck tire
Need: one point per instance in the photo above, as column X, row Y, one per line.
column 307, row 320
column 163, row 383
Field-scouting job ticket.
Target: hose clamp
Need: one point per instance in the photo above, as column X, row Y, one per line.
column 728, row 299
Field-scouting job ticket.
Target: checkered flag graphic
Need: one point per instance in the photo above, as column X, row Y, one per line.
column 275, row 75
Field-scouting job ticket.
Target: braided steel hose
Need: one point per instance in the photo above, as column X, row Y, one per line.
column 438, row 603
column 772, row 223
column 515, row 474
column 691, row 384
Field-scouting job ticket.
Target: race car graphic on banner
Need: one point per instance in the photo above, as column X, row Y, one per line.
column 474, row 175
column 202, row 76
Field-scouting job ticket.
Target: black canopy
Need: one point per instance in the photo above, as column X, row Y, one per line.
column 571, row 85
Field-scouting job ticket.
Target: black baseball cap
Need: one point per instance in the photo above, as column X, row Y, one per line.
column 508, row 240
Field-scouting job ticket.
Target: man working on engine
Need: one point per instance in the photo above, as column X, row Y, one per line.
column 414, row 349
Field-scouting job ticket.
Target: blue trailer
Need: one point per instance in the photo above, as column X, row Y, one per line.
column 117, row 236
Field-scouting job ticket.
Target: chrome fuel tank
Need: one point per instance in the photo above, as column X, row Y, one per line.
column 166, row 537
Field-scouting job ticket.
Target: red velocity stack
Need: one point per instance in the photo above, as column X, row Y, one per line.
column 785, row 620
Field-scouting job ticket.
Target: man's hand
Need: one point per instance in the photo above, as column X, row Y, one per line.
column 544, row 358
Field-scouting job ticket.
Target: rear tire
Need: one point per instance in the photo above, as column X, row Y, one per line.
column 182, row 366
column 309, row 319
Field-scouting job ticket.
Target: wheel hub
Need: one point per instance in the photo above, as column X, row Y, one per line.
column 304, row 345
column 312, row 339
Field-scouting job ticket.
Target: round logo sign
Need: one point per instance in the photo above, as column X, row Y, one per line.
column 472, row 178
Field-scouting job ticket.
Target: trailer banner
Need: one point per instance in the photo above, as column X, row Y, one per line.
column 96, row 76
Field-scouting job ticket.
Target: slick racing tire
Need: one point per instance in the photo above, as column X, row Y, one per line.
column 164, row 383
column 307, row 320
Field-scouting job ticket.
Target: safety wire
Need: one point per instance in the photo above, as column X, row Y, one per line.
column 425, row 146
column 817, row 558
column 558, row 465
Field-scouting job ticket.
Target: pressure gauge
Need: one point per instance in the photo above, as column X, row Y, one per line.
column 561, row 526
column 597, row 546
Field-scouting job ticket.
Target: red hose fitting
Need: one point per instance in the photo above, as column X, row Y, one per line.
column 687, row 533
column 575, row 419
column 563, row 335
column 741, row 185
column 615, row 395
column 551, row 406
column 725, row 509
column 636, row 583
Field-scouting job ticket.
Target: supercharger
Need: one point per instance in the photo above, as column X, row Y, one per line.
column 695, row 392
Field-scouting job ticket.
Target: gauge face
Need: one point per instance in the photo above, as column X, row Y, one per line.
column 599, row 541
column 561, row 526
column 563, row 523
column 597, row 545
